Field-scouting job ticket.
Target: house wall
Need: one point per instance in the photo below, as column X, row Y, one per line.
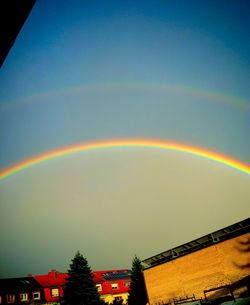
column 208, row 268
column 108, row 295
column 111, row 297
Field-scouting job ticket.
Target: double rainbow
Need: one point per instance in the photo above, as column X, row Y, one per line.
column 143, row 143
column 211, row 96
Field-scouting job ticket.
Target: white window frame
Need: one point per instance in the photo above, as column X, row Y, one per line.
column 99, row 287
column 38, row 297
column 22, row 295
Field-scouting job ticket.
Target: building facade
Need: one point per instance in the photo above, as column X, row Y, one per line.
column 48, row 289
column 113, row 285
column 20, row 290
column 213, row 266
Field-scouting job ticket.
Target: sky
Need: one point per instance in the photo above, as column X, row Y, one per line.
column 88, row 71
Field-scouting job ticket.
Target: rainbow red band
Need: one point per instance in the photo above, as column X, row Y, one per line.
column 147, row 143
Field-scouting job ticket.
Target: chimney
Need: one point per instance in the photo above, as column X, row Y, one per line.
column 53, row 274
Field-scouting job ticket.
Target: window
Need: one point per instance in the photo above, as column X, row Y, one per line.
column 114, row 286
column 99, row 287
column 55, row 292
column 10, row 298
column 23, row 297
column 36, row 295
column 127, row 284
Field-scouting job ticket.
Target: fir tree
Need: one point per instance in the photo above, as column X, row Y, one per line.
column 137, row 294
column 80, row 288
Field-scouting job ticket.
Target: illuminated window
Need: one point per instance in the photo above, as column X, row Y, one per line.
column 36, row 295
column 114, row 286
column 55, row 292
column 23, row 297
column 10, row 298
column 99, row 287
column 126, row 284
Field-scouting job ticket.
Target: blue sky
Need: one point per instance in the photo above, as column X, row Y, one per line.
column 90, row 70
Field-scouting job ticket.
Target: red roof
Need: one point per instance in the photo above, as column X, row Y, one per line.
column 108, row 277
column 111, row 275
column 52, row 279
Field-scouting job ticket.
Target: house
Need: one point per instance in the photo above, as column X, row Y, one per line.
column 113, row 285
column 52, row 285
column 20, row 290
column 47, row 289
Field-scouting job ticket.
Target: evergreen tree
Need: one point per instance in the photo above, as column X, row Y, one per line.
column 80, row 287
column 137, row 294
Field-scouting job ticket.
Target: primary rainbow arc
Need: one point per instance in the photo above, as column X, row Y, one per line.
column 144, row 143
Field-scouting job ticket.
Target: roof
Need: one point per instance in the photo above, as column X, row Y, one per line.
column 108, row 277
column 229, row 232
column 53, row 278
column 111, row 275
column 18, row 284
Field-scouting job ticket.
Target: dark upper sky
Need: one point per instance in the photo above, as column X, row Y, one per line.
column 92, row 70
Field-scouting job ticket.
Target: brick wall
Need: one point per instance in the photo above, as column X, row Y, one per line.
column 192, row 274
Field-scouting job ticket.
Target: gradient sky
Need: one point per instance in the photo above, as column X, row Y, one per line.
column 92, row 70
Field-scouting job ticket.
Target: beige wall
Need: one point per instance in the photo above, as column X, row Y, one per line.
column 192, row 274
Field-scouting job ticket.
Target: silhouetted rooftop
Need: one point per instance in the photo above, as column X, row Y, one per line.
column 229, row 232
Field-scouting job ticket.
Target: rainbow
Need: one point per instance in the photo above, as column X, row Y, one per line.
column 122, row 143
column 211, row 96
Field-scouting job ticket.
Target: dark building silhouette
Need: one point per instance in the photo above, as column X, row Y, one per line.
column 13, row 15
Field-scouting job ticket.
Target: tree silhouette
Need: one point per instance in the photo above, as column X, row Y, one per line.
column 80, row 288
column 137, row 294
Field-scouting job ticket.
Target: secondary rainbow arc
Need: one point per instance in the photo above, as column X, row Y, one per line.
column 215, row 96
column 143, row 143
